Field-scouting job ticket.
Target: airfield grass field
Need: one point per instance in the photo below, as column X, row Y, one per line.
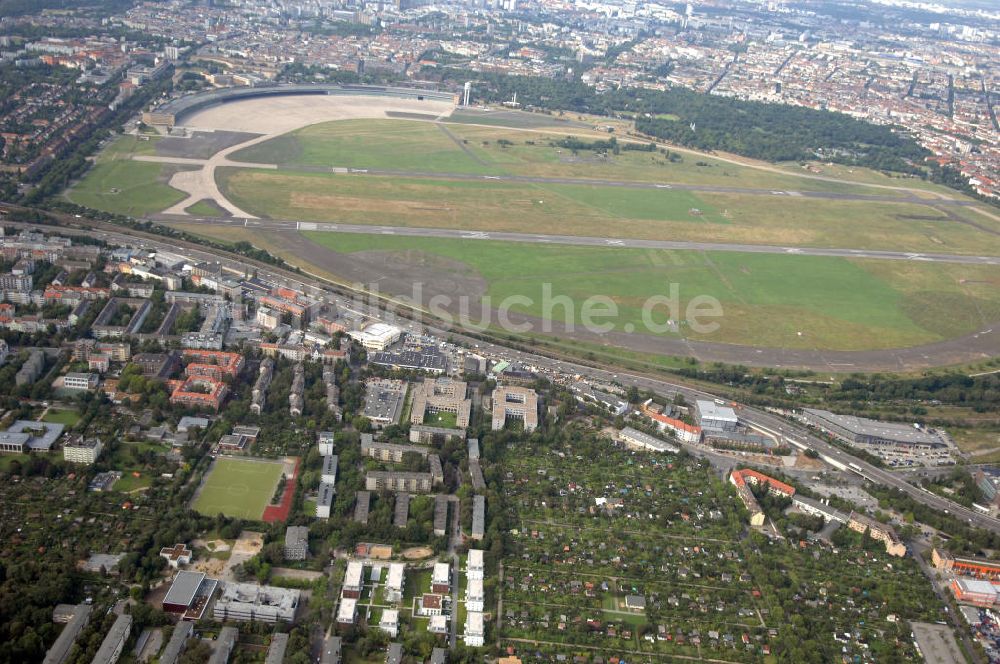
column 767, row 300
column 470, row 149
column 239, row 488
column 121, row 185
column 395, row 144
column 565, row 209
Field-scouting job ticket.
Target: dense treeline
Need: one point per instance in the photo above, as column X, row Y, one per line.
column 964, row 539
column 573, row 143
column 774, row 132
column 982, row 393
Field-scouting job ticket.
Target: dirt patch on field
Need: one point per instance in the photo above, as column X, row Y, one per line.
column 297, row 574
column 418, row 553
column 212, row 567
column 304, row 201
column 802, row 462
column 215, row 546
column 392, row 273
column 249, row 543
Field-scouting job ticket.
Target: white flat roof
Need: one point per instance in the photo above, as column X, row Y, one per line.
column 355, row 573
column 442, row 573
column 348, row 607
column 395, row 579
column 977, row 586
column 475, row 558
column 382, row 331
column 712, row 411
column 474, row 622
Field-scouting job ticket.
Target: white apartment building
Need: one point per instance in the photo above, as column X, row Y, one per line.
column 82, row 451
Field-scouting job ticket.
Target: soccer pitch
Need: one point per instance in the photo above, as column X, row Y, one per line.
column 238, row 488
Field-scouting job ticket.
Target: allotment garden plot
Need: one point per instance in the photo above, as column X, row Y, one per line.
column 651, row 554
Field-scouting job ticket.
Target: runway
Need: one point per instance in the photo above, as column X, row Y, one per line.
column 632, row 184
column 292, row 226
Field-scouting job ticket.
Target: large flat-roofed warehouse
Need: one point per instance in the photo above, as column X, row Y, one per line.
column 427, row 359
column 189, row 594
column 974, row 591
column 384, row 401
column 862, row 431
column 716, row 416
column 249, row 601
column 515, row 403
column 377, row 336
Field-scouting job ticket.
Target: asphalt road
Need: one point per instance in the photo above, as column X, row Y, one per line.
column 752, row 416
column 275, row 225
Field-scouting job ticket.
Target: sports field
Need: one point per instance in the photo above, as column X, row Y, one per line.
column 238, row 488
column 768, row 300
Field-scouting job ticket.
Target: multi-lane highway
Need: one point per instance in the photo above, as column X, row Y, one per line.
column 753, row 416
column 292, row 226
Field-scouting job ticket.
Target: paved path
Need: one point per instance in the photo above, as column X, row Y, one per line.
column 580, row 240
column 201, row 184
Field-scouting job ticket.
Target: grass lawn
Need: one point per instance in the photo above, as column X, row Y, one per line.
column 129, row 482
column 145, row 446
column 445, row 420
column 385, row 144
column 417, row 583
column 976, row 440
column 65, row 417
column 238, row 488
column 117, row 183
column 772, row 300
column 205, row 208
column 7, row 459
